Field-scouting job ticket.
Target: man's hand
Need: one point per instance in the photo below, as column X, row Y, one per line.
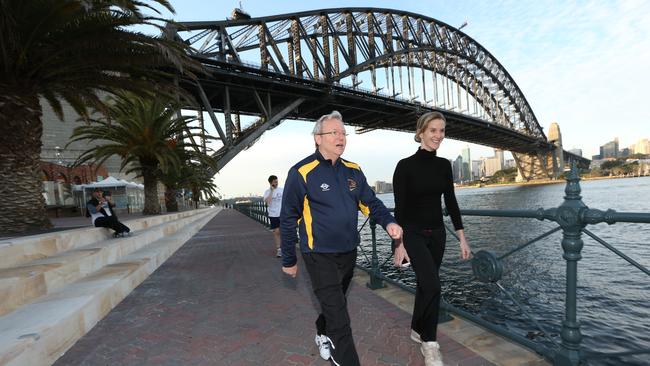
column 394, row 231
column 291, row 271
column 400, row 254
column 270, row 197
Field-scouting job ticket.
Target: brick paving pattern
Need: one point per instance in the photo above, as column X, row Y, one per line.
column 222, row 299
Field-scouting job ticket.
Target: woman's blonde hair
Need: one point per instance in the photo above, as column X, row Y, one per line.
column 423, row 122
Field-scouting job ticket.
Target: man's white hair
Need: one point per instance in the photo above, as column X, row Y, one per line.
column 318, row 128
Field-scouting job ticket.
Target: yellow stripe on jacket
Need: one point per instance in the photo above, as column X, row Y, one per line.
column 305, row 169
column 365, row 210
column 306, row 215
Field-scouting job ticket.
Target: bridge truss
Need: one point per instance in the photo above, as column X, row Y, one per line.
column 380, row 67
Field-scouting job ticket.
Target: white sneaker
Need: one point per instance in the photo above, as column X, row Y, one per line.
column 415, row 336
column 431, row 353
column 278, row 253
column 324, row 346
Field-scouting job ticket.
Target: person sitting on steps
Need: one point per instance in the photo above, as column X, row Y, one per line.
column 100, row 210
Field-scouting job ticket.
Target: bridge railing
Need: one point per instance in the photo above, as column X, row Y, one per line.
column 572, row 217
column 256, row 210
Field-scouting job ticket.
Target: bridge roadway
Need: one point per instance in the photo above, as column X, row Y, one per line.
column 221, row 299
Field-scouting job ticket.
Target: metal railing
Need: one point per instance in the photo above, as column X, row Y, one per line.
column 256, row 210
column 572, row 217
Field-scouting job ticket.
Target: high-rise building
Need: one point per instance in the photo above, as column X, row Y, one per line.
column 498, row 154
column 609, row 150
column 383, row 187
column 467, row 164
column 576, row 152
column 491, row 166
column 457, row 166
column 476, row 169
column 624, row 153
column 641, row 147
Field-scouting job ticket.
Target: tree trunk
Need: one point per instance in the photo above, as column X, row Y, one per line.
column 171, row 204
column 151, row 203
column 22, row 205
column 196, row 197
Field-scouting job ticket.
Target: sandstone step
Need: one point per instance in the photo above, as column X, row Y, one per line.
column 25, row 282
column 40, row 332
column 15, row 251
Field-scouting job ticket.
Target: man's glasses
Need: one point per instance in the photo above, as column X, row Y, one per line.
column 333, row 133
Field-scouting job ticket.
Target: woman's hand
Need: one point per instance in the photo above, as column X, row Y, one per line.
column 465, row 250
column 400, row 253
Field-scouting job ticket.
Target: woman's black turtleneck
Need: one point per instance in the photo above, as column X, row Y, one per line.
column 418, row 183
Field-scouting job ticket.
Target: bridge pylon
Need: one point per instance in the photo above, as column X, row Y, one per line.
column 544, row 164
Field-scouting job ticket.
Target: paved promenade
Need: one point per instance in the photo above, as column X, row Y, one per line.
column 222, row 300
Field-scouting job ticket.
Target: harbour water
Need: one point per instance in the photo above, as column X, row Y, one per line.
column 613, row 296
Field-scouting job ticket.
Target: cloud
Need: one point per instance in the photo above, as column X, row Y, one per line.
column 579, row 64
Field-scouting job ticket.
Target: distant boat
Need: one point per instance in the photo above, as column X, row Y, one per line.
column 238, row 14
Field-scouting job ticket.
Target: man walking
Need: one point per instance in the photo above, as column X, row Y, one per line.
column 273, row 200
column 322, row 197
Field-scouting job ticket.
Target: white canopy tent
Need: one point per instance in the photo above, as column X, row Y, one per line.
column 126, row 195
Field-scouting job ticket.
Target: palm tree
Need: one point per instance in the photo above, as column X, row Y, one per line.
column 200, row 182
column 70, row 50
column 197, row 165
column 144, row 132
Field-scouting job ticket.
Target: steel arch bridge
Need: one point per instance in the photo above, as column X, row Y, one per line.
column 304, row 65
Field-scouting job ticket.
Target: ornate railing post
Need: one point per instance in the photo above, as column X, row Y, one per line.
column 569, row 217
column 375, row 273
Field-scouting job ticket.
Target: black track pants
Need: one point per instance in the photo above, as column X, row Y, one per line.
column 330, row 275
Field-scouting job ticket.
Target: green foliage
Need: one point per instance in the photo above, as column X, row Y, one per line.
column 194, row 174
column 626, row 169
column 152, row 140
column 144, row 131
column 619, row 167
column 75, row 50
column 639, row 156
column 611, row 164
column 507, row 175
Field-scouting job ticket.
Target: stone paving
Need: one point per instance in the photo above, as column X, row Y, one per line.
column 222, row 299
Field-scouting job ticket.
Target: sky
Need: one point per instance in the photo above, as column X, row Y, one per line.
column 582, row 64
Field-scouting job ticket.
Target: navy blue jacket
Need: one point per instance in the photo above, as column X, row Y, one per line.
column 323, row 201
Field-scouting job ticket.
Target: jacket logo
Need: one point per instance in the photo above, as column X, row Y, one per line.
column 325, row 187
column 352, row 184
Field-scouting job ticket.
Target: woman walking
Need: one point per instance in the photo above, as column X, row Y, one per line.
column 418, row 183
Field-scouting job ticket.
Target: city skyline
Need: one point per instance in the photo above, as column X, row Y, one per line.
column 554, row 52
